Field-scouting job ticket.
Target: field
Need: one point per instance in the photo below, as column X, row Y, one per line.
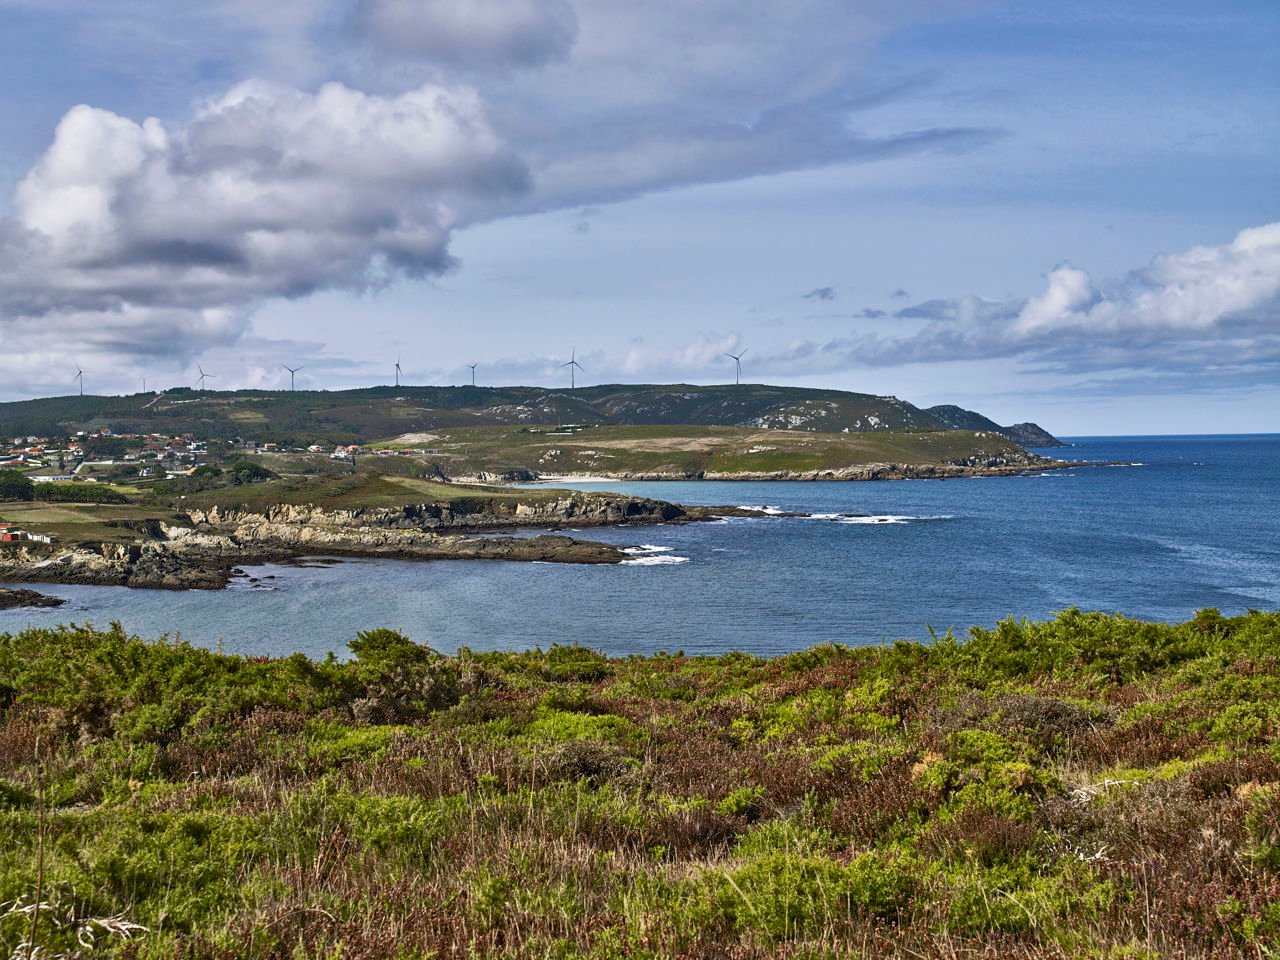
column 1088, row 787
column 680, row 450
column 74, row 523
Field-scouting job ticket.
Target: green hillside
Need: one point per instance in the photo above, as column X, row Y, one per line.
column 690, row 450
column 377, row 412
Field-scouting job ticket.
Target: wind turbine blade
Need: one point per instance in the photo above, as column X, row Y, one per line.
column 743, row 353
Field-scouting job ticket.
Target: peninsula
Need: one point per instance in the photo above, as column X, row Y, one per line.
column 202, row 544
column 180, row 489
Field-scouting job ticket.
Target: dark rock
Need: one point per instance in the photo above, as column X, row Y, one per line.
column 27, row 598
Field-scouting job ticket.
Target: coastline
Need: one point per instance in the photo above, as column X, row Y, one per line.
column 867, row 472
column 207, row 547
column 209, row 551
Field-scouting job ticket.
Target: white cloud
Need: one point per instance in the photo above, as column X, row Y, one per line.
column 1208, row 306
column 472, row 34
column 1205, row 318
column 662, row 94
column 137, row 239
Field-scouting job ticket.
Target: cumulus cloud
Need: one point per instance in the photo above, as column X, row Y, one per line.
column 472, row 34
column 1208, row 306
column 160, row 236
column 137, row 238
column 820, row 293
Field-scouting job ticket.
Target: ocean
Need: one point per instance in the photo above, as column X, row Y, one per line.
column 1186, row 523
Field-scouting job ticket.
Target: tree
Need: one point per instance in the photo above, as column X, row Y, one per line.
column 16, row 486
column 246, row 471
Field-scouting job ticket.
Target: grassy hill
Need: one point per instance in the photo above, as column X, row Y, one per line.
column 1090, row 787
column 687, row 450
column 377, row 412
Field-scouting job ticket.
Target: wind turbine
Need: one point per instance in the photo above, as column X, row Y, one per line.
column 203, row 377
column 737, row 365
column 472, row 366
column 397, row 371
column 292, row 371
column 573, row 366
column 80, row 377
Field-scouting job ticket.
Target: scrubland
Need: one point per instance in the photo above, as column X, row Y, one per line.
column 1091, row 786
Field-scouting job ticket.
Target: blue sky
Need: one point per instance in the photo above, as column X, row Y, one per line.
column 1064, row 213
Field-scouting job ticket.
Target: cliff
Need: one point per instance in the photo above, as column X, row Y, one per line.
column 1023, row 434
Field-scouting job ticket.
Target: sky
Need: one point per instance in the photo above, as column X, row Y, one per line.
column 1067, row 213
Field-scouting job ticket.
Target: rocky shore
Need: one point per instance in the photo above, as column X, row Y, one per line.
column 206, row 553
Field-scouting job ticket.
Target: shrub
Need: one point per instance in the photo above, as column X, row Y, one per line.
column 787, row 896
column 78, row 493
column 15, row 486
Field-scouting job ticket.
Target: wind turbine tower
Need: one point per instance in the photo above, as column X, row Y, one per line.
column 573, row 366
column 292, row 371
column 79, row 377
column 473, row 366
column 737, row 365
column 203, row 377
column 397, row 371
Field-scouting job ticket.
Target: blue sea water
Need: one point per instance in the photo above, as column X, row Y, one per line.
column 1189, row 522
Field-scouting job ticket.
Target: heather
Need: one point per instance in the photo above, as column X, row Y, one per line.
column 1090, row 786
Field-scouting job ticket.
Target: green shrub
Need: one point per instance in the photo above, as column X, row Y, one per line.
column 15, row 486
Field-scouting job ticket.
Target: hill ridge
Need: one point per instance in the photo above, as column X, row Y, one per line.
column 368, row 413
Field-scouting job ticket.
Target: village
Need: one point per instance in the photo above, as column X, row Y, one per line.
column 94, row 456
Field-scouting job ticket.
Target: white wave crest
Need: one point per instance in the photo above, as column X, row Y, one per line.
column 875, row 518
column 654, row 560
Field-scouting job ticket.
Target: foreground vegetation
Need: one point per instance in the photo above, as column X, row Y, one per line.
column 1088, row 787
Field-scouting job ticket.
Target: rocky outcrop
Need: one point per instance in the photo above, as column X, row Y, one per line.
column 204, row 560
column 460, row 515
column 204, row 555
column 1023, row 434
column 27, row 598
column 144, row 564
column 1031, row 435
